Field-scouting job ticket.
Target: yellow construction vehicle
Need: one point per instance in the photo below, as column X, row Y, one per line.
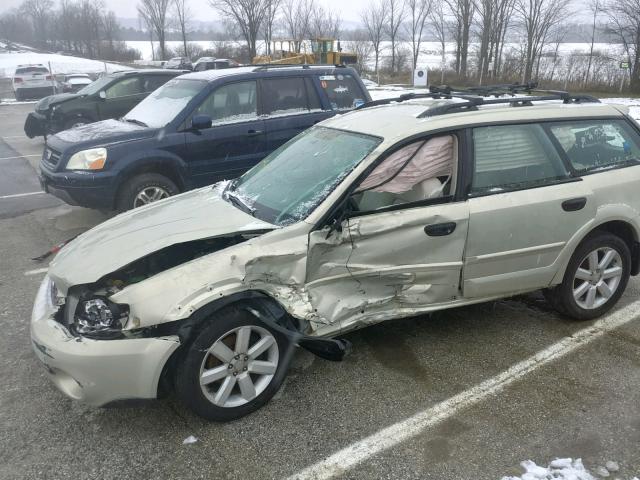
column 322, row 49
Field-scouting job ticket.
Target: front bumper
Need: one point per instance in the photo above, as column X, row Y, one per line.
column 96, row 372
column 90, row 190
column 35, row 125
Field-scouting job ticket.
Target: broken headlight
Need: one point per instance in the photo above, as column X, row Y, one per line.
column 98, row 315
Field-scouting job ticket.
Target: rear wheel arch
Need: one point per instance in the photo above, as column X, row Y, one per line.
column 627, row 233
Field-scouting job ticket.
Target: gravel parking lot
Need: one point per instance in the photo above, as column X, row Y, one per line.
column 458, row 372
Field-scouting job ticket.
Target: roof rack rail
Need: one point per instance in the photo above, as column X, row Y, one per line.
column 267, row 66
column 472, row 103
column 473, row 97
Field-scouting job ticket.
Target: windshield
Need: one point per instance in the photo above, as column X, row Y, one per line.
column 96, row 86
column 292, row 181
column 165, row 103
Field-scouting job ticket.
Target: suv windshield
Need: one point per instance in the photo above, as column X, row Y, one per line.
column 165, row 103
column 292, row 181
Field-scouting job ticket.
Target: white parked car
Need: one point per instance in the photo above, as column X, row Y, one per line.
column 74, row 82
column 33, row 81
column 392, row 210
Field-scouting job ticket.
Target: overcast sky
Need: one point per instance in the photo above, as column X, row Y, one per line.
column 349, row 9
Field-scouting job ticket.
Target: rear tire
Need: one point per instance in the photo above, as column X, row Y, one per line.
column 595, row 279
column 18, row 96
column 143, row 189
column 220, row 379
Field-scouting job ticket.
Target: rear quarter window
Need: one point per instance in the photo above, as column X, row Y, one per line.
column 597, row 144
column 342, row 90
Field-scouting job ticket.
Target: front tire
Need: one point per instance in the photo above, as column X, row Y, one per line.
column 144, row 189
column 233, row 367
column 595, row 279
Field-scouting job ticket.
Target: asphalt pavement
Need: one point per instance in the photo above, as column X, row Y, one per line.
column 584, row 403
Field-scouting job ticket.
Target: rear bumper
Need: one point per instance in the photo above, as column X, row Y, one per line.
column 36, row 92
column 90, row 190
column 96, row 372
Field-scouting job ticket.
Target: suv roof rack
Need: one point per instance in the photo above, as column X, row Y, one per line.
column 473, row 97
column 267, row 66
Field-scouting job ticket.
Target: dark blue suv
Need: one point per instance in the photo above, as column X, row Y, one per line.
column 195, row 130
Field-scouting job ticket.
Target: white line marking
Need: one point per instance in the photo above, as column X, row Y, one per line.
column 15, row 195
column 37, row 271
column 21, row 156
column 347, row 458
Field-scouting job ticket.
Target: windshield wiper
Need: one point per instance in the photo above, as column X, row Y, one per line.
column 237, row 201
column 136, row 121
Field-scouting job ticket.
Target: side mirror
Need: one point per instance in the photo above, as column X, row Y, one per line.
column 102, row 94
column 201, row 122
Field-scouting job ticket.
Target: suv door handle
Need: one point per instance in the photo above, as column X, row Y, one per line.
column 253, row 133
column 574, row 204
column 440, row 229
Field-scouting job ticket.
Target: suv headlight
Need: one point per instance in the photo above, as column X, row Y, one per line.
column 98, row 315
column 92, row 159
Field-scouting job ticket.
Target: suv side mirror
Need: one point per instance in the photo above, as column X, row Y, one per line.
column 201, row 122
column 102, row 94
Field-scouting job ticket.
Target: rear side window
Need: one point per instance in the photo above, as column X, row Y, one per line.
column 123, row 88
column 514, row 156
column 597, row 144
column 284, row 96
column 342, row 90
column 31, row 70
column 235, row 102
column 152, row 82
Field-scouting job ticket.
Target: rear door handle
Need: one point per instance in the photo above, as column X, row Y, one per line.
column 253, row 133
column 574, row 204
column 440, row 229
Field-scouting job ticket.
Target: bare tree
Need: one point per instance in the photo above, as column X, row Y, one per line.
column 362, row 47
column 538, row 17
column 39, row 12
column 439, row 24
column 296, row 17
column 144, row 19
column 182, row 19
column 374, row 18
column 463, row 12
column 247, row 14
column 418, row 13
column 493, row 21
column 269, row 21
column 624, row 22
column 324, row 23
column 155, row 14
column 595, row 6
column 397, row 12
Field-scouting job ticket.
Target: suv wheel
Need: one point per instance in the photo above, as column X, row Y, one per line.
column 144, row 189
column 233, row 367
column 595, row 278
column 18, row 95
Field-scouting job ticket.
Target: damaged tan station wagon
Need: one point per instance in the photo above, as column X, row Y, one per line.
column 406, row 206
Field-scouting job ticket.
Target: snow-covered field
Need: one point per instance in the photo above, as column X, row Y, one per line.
column 59, row 63
column 430, row 56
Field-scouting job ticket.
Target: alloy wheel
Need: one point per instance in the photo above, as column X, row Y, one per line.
column 149, row 195
column 597, row 278
column 239, row 366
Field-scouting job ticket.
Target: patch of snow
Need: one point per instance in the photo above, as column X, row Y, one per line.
column 564, row 469
column 11, row 101
column 189, row 440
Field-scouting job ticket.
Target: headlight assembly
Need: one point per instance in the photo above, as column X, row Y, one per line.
column 92, row 159
column 99, row 316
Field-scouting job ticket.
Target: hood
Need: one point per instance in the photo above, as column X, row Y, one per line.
column 129, row 236
column 110, row 131
column 48, row 102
